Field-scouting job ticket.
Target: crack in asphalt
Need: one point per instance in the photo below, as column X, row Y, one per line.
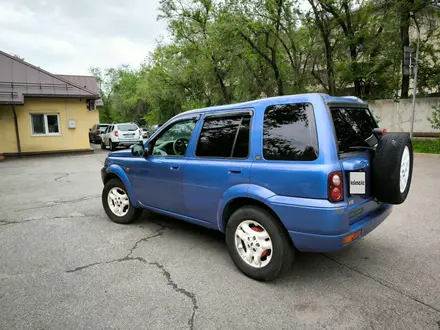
column 158, row 233
column 165, row 273
column 12, row 222
column 7, row 222
column 64, row 175
column 54, row 203
column 382, row 282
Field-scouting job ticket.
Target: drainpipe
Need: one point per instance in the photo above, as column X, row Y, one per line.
column 16, row 131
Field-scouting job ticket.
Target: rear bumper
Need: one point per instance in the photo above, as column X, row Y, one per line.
column 326, row 243
column 128, row 142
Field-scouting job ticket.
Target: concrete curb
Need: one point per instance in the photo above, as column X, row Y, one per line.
column 427, row 154
column 57, row 153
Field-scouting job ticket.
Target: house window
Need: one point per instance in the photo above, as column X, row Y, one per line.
column 45, row 124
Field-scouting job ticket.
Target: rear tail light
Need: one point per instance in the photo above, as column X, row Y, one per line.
column 140, row 132
column 116, row 133
column 335, row 187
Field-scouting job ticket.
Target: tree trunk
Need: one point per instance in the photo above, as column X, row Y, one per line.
column 404, row 38
column 356, row 80
column 330, row 69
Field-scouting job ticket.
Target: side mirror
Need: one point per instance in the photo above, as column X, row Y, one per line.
column 90, row 129
column 138, row 150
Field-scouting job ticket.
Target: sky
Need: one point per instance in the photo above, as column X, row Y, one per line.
column 70, row 36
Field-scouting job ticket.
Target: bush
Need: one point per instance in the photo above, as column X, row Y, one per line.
column 435, row 117
column 429, row 146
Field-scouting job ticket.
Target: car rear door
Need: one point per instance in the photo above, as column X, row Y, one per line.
column 219, row 161
column 354, row 125
column 107, row 133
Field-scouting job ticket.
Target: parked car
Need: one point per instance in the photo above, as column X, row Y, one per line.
column 145, row 132
column 125, row 134
column 307, row 172
column 96, row 131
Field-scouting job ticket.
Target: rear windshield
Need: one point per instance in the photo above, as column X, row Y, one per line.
column 128, row 127
column 353, row 126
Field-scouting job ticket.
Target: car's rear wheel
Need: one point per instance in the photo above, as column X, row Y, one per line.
column 258, row 243
column 102, row 145
column 117, row 204
column 392, row 167
column 112, row 145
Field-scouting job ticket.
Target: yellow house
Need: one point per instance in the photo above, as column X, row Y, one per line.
column 41, row 112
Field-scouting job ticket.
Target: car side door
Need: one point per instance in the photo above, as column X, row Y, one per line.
column 106, row 134
column 221, row 160
column 157, row 178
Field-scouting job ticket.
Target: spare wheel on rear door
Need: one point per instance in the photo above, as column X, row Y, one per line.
column 392, row 167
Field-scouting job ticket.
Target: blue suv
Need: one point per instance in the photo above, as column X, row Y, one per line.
column 303, row 172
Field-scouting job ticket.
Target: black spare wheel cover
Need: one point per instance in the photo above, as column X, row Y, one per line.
column 388, row 165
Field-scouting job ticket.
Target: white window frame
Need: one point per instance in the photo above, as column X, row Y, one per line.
column 46, row 126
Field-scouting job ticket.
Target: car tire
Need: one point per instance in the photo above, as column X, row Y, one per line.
column 129, row 213
column 392, row 167
column 94, row 139
column 112, row 145
column 282, row 251
column 103, row 145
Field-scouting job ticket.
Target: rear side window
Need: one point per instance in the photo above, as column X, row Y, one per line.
column 128, row 127
column 352, row 126
column 224, row 137
column 289, row 132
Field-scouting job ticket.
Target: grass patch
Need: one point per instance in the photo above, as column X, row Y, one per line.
column 429, row 146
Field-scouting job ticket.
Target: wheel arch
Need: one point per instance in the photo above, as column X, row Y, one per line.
column 236, row 203
column 242, row 195
column 116, row 172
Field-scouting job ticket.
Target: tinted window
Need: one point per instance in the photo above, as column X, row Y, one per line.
column 128, row 127
column 219, row 136
column 352, row 126
column 241, row 149
column 289, row 132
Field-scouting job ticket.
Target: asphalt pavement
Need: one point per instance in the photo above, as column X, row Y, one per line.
column 65, row 265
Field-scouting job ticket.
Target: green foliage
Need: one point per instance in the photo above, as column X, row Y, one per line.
column 229, row 51
column 429, row 146
column 435, row 117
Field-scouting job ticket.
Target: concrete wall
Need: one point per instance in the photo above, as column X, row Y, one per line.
column 68, row 139
column 8, row 140
column 396, row 116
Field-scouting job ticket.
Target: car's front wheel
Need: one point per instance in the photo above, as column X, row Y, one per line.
column 117, row 204
column 258, row 243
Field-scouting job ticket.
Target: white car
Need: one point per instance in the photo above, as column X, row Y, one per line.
column 125, row 134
